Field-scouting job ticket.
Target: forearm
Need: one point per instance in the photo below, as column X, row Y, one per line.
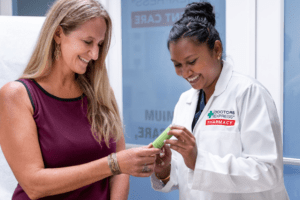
column 119, row 184
column 168, row 186
column 119, row 187
column 48, row 182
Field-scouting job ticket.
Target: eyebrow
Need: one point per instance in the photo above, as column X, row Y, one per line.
column 185, row 57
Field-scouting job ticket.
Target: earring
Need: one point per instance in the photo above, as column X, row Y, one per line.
column 57, row 52
column 219, row 57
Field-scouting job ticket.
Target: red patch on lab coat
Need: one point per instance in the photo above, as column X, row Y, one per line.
column 223, row 122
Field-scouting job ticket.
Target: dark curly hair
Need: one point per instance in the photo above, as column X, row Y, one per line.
column 197, row 22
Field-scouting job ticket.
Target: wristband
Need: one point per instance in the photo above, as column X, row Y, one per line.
column 159, row 142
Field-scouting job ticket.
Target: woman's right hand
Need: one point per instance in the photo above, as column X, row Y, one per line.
column 163, row 161
column 134, row 161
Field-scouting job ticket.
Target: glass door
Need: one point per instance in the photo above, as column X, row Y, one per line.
column 291, row 106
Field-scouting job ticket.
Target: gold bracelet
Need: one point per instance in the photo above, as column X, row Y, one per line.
column 163, row 179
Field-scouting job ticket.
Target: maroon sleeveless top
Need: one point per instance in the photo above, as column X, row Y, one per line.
column 65, row 139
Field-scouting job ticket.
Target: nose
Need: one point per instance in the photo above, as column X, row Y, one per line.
column 185, row 71
column 94, row 52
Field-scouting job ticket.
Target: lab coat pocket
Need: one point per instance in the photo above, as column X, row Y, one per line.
column 220, row 142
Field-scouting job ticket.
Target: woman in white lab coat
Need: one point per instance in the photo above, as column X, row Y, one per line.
column 226, row 139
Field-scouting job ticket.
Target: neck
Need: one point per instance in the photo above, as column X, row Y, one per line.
column 208, row 93
column 61, row 76
column 209, row 90
column 60, row 82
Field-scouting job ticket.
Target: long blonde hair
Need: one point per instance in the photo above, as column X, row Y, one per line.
column 103, row 113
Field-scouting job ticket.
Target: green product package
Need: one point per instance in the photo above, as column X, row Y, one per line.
column 159, row 142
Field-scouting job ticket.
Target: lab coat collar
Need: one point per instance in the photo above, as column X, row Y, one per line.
column 221, row 85
column 194, row 95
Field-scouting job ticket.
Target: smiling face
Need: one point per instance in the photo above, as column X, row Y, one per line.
column 197, row 64
column 81, row 46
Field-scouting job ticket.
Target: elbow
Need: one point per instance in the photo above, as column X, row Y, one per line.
column 271, row 178
column 276, row 172
column 32, row 193
column 278, row 177
column 33, row 197
column 34, row 190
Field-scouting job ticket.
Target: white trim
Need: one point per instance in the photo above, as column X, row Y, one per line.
column 270, row 44
column 6, row 7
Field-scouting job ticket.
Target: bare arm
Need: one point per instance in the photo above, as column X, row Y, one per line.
column 119, row 184
column 19, row 142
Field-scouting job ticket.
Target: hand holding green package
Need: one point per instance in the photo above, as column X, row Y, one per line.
column 159, row 141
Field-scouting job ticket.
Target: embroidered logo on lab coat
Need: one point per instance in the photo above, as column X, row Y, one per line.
column 220, row 117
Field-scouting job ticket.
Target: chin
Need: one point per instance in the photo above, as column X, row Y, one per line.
column 197, row 87
column 81, row 72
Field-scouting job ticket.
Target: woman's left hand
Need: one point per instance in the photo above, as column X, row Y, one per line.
column 185, row 145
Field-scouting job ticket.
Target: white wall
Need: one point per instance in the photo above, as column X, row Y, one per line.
column 270, row 46
column 254, row 42
column 114, row 59
column 241, row 35
column 6, row 7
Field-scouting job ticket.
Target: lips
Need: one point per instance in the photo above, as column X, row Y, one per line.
column 84, row 60
column 193, row 79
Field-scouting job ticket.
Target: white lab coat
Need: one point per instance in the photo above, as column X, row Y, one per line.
column 239, row 143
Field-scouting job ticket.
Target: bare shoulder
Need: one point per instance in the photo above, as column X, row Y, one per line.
column 12, row 90
column 14, row 94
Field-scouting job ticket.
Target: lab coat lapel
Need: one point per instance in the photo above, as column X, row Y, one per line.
column 191, row 106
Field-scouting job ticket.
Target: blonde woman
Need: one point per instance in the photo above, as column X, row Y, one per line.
column 60, row 127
